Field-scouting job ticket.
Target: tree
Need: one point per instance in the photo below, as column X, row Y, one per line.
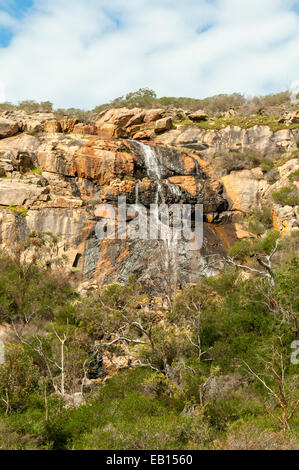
column 18, row 377
column 266, row 246
column 274, row 380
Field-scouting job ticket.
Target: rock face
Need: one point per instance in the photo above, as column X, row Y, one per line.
column 58, row 180
column 244, row 189
column 259, row 139
column 247, row 189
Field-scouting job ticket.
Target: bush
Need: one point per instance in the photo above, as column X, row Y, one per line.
column 294, row 176
column 31, row 106
column 287, row 196
column 260, row 220
column 18, row 378
column 249, row 436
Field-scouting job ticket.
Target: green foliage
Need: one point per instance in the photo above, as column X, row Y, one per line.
column 274, row 99
column 143, row 98
column 213, row 329
column 260, row 220
column 27, row 291
column 245, row 122
column 287, row 196
column 245, row 248
column 224, row 411
column 294, row 176
column 6, row 106
column 19, row 210
column 36, row 170
column 31, row 106
column 18, row 378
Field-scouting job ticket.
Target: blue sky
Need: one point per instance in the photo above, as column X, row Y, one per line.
column 83, row 53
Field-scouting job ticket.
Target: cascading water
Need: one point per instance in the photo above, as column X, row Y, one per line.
column 150, row 161
column 136, row 193
column 153, row 170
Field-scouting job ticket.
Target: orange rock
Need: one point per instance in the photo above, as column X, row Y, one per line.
column 52, row 126
column 67, row 125
column 107, row 131
column 102, row 166
column 188, row 183
column 81, row 128
column 143, row 135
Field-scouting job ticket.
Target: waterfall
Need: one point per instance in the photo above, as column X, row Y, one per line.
column 153, row 171
column 175, row 190
column 150, row 161
column 170, row 246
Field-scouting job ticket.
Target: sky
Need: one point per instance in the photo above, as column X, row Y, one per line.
column 79, row 53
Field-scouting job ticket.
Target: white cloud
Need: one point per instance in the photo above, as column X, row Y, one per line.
column 79, row 53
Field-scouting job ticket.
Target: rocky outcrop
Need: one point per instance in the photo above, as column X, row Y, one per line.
column 55, row 182
column 248, row 189
column 33, row 123
column 290, row 118
column 258, row 139
column 18, row 193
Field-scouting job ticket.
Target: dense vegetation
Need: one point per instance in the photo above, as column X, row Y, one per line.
column 266, row 108
column 209, row 369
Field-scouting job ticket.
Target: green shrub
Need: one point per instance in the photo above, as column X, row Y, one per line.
column 260, row 220
column 37, row 170
column 287, row 196
column 19, row 210
column 294, row 176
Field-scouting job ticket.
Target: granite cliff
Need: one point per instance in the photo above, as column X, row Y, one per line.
column 55, row 173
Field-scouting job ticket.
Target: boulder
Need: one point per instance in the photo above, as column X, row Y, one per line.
column 257, row 139
column 99, row 161
column 187, row 183
column 290, row 118
column 136, row 119
column 163, row 125
column 152, row 115
column 108, row 130
column 8, row 128
column 101, row 166
column 178, row 114
column 33, row 126
column 119, row 117
column 142, row 135
column 198, row 115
